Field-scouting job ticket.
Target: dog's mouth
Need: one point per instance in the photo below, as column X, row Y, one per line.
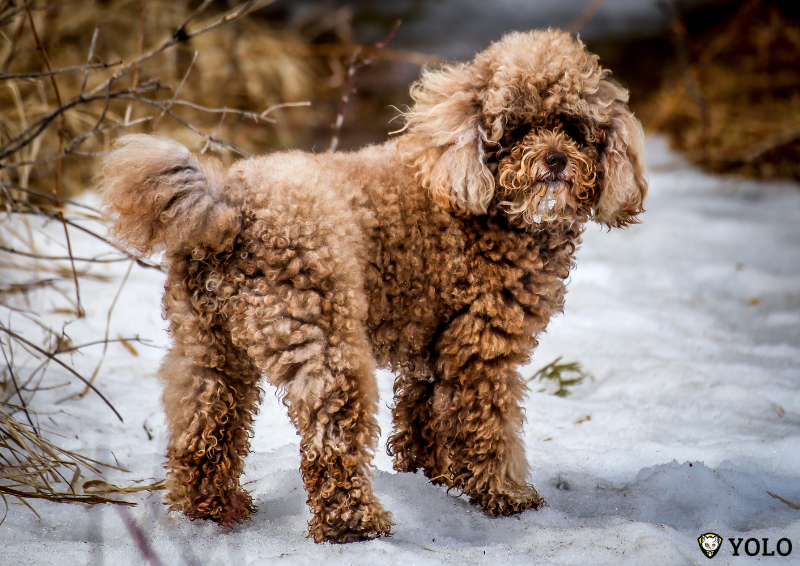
column 544, row 201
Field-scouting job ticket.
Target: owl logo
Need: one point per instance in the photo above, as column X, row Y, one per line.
column 710, row 543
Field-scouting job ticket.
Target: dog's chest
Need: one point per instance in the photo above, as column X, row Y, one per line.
column 425, row 269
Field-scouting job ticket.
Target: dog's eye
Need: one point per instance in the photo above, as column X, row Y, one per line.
column 572, row 130
column 520, row 131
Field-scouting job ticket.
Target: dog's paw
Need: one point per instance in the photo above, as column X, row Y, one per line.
column 238, row 509
column 233, row 508
column 404, row 463
column 352, row 536
column 363, row 522
column 508, row 500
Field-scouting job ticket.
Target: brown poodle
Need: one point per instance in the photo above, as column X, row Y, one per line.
column 440, row 254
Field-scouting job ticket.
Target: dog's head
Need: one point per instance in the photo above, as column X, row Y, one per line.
column 533, row 128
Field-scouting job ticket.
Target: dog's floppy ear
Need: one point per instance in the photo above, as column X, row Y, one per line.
column 623, row 186
column 445, row 140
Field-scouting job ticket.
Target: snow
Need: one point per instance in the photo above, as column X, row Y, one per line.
column 689, row 324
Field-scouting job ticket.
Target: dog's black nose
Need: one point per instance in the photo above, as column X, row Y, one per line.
column 556, row 161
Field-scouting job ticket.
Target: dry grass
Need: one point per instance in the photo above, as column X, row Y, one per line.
column 241, row 65
column 32, row 467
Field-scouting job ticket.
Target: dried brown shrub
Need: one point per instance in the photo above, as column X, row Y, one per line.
column 733, row 103
column 243, row 65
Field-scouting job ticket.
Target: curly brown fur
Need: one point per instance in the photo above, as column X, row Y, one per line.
column 441, row 254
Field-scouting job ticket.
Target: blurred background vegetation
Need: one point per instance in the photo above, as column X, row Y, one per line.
column 720, row 78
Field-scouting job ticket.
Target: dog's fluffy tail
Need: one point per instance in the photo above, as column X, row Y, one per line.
column 159, row 196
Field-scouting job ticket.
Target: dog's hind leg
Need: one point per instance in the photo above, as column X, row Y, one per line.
column 303, row 322
column 211, row 395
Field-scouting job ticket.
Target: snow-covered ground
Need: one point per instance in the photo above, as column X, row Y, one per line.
column 689, row 324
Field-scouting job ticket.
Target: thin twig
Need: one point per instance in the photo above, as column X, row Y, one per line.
column 186, row 124
column 52, row 357
column 62, row 71
column 356, row 63
column 200, row 9
column 12, row 53
column 346, row 51
column 10, row 367
column 89, row 58
column 136, row 339
column 19, row 9
column 62, row 258
column 68, row 152
column 180, row 35
column 47, row 196
column 33, row 130
column 15, row 288
column 214, row 133
column 174, row 96
column 83, row 393
column 586, row 15
column 72, row 497
column 256, row 116
column 141, row 262
column 56, row 185
column 138, row 68
column 77, row 142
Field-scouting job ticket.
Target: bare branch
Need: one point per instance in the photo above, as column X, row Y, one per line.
column 357, row 62
column 106, row 341
column 138, row 68
column 53, row 358
column 177, row 91
column 200, row 9
column 5, row 18
column 244, row 113
column 89, row 58
column 178, row 36
column 62, row 258
column 71, row 152
column 141, row 262
column 47, row 196
column 10, row 367
column 186, row 124
column 77, row 142
column 61, row 134
column 62, row 71
column 34, row 129
column 108, row 327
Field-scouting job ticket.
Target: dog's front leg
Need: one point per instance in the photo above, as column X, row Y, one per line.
column 413, row 443
column 476, row 412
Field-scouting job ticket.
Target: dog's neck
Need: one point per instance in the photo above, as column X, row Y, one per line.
column 518, row 225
